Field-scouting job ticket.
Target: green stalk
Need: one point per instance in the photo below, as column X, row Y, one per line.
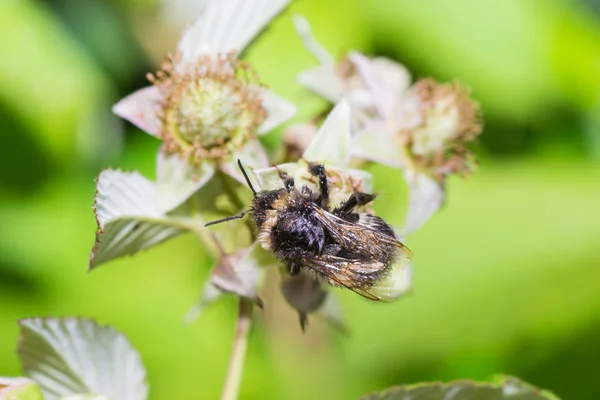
column 238, row 352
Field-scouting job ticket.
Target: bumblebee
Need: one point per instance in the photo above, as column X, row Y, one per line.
column 340, row 245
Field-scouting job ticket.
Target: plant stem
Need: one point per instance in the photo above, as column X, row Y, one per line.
column 238, row 353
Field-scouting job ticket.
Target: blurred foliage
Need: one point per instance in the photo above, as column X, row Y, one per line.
column 505, row 276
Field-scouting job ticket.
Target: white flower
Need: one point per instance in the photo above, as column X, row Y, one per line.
column 431, row 131
column 424, row 130
column 372, row 87
column 206, row 104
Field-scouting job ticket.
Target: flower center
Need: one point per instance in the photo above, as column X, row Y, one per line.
column 211, row 108
column 448, row 124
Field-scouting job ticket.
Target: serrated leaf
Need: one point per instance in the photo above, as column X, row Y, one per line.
column 128, row 217
column 19, row 389
column 74, row 356
column 508, row 388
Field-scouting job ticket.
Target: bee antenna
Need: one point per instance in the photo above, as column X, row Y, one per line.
column 239, row 216
column 246, row 176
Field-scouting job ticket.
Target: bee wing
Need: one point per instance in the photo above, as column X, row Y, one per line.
column 345, row 272
column 350, row 273
column 360, row 237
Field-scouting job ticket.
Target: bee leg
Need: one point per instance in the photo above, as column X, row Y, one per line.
column 318, row 170
column 293, row 268
column 288, row 181
column 355, row 200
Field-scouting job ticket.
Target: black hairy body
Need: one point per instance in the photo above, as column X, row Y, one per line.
column 341, row 245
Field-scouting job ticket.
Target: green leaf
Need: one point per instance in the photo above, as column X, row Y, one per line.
column 85, row 397
column 76, row 356
column 508, row 388
column 19, row 389
column 128, row 217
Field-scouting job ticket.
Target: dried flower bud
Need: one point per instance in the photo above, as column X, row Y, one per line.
column 210, row 108
column 295, row 140
column 447, row 120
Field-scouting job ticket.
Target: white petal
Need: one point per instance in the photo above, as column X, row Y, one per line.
column 141, row 109
column 227, row 25
column 324, row 81
column 268, row 178
column 331, row 145
column 303, row 28
column 252, row 156
column 392, row 74
column 128, row 217
column 279, row 110
column 178, row 180
column 375, row 143
column 67, row 356
column 386, row 80
column 425, row 198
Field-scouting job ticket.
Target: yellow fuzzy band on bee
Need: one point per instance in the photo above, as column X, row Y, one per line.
column 264, row 235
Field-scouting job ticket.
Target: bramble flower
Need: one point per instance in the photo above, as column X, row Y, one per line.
column 207, row 105
column 431, row 130
column 369, row 95
column 240, row 273
column 424, row 130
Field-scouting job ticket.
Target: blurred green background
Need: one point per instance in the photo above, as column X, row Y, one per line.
column 507, row 275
